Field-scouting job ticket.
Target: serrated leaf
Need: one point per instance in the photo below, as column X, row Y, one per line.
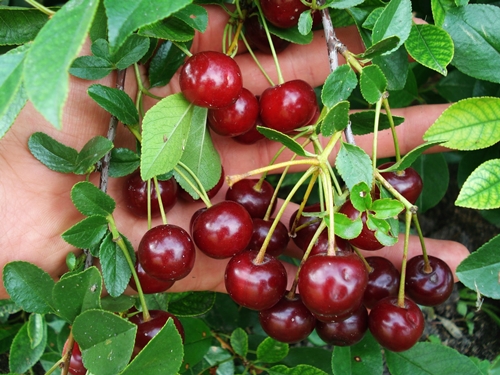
column 285, row 140
column 89, row 200
column 271, row 351
column 22, row 356
column 105, row 339
column 86, row 233
column 377, row 49
column 383, row 230
column 372, row 83
column 51, row 153
column 347, row 228
column 395, row 67
column 336, row 119
column 469, row 124
column 115, row 101
column 20, row 25
column 130, row 52
column 291, row 34
column 77, row 293
column 338, row 85
column 36, row 329
column 116, row 271
column 124, row 161
column 354, row 165
column 90, row 67
column 481, row 190
column 125, row 17
column 362, row 358
column 169, row 29
column 165, row 63
column 93, row 151
column 165, row 133
column 360, row 197
column 28, row 286
column 431, row 46
column 46, row 76
column 395, row 20
column 297, row 370
column 195, row 16
column 386, row 208
column 410, row 157
column 372, row 18
column 190, row 303
column 474, row 30
column 344, row 4
column 480, row 271
column 305, row 22
column 362, row 122
column 239, row 341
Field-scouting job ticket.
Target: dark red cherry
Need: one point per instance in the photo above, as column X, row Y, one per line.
column 332, row 285
column 136, row 195
column 288, row 106
column 223, row 230
column 321, row 244
column 407, row 182
column 167, row 252
column 383, row 281
column 287, row 321
column 396, row 328
column 346, row 332
column 252, row 136
column 255, row 200
column 366, row 240
column 279, row 238
column 257, row 38
column 76, row 364
column 194, row 218
column 283, row 13
column 305, row 226
column 149, row 284
column 255, row 286
column 336, row 318
column 428, row 288
column 210, row 193
column 211, row 79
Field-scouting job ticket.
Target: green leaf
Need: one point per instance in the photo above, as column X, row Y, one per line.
column 116, row 102
column 239, row 341
column 20, row 25
column 481, row 269
column 12, row 94
column 439, row 9
column 474, row 30
column 360, row 197
column 362, row 122
column 305, row 22
column 319, row 357
column 51, row 153
column 195, row 16
column 99, row 28
column 395, row 20
column 130, row 52
column 469, row 124
column 338, row 85
column 410, row 157
column 90, row 67
column 354, row 165
column 190, row 303
column 431, row 46
column 169, row 29
column 285, row 140
column 86, row 233
column 93, row 151
column 291, row 34
column 89, row 200
column 197, row 342
column 115, row 268
column 165, row 133
column 124, row 161
column 336, row 119
column 271, row 351
column 386, row 208
column 372, row 18
column 165, row 63
column 372, row 83
column 380, row 48
column 347, row 228
column 125, row 17
column 118, row 304
column 168, row 342
column 362, row 358
column 37, row 328
column 77, row 293
column 457, row 86
column 22, row 355
column 46, row 77
column 383, row 230
column 433, row 169
column 395, row 67
column 105, row 339
column 28, row 286
column 438, row 360
column 297, row 370
column 482, row 189
column 344, row 4
column 407, row 95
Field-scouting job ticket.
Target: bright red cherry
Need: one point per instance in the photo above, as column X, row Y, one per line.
column 396, row 328
column 255, row 200
column 283, row 13
column 346, row 332
column 279, row 237
column 257, row 38
column 148, row 283
column 366, row 240
column 167, row 252
column 211, row 79
column 223, row 230
column 407, row 182
column 383, row 281
column 288, row 106
column 255, row 286
column 288, row 321
column 428, row 288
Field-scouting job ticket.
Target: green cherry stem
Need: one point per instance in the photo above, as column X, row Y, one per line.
column 409, row 207
column 328, row 194
column 387, row 108
column 401, row 293
column 160, row 202
column 201, row 192
column 148, row 201
column 141, row 86
column 256, row 60
column 41, row 8
column 416, row 223
column 375, row 133
column 183, row 49
column 310, row 186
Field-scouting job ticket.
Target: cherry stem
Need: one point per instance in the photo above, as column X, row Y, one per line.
column 310, row 186
column 375, row 134
column 367, row 265
column 201, row 192
column 387, row 107
column 233, row 48
column 409, row 207
column 401, row 293
column 416, row 223
column 41, row 8
column 148, row 201
column 160, row 202
column 141, row 86
column 183, row 49
column 328, row 194
column 66, row 359
column 256, row 60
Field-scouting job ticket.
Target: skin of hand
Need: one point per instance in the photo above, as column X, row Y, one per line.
column 35, row 201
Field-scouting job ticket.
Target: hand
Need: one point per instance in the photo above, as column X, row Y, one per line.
column 36, row 204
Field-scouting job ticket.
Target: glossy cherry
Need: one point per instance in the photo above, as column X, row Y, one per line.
column 428, row 288
column 345, row 332
column 396, row 328
column 305, row 227
column 257, row 38
column 321, row 244
column 255, row 286
column 236, row 118
column 288, row 106
column 383, row 281
column 288, row 321
column 279, row 237
column 283, row 13
column 252, row 136
column 223, row 230
column 255, row 200
column 211, row 79
column 149, row 284
column 76, row 364
column 332, row 285
column 366, row 240
column 407, row 182
column 136, row 195
column 167, row 252
column 184, row 195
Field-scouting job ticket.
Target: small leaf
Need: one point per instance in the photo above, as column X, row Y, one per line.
column 195, row 16
column 336, row 119
column 360, row 197
column 362, row 358
column 90, row 67
column 165, row 63
column 169, row 29
column 37, row 329
column 239, row 342
column 93, row 151
column 51, row 153
column 89, row 200
column 347, row 228
column 22, row 356
column 20, row 25
column 380, row 48
column 124, row 161
column 410, row 157
column 386, row 208
column 395, row 20
column 130, row 52
column 469, row 124
column 297, row 370
column 372, row 83
column 383, row 230
column 291, row 34
column 285, row 140
column 271, row 351
column 86, row 233
column 28, row 286
column 354, row 165
column 116, row 102
column 482, row 189
column 115, row 268
column 362, row 122
column 305, row 22
column 338, row 85
column 190, row 303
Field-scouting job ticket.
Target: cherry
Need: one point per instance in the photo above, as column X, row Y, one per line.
column 256, row 201
column 257, row 38
column 366, row 239
column 407, row 182
column 321, row 244
column 252, row 136
column 428, row 288
column 332, row 285
column 346, row 332
column 149, row 284
column 383, row 281
column 304, row 233
column 167, row 252
column 211, row 79
column 223, row 230
column 283, row 13
column 75, row 364
column 136, row 195
column 396, row 328
column 287, row 321
column 255, row 286
column 336, row 317
column 279, row 237
column 210, row 193
column 288, row 106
